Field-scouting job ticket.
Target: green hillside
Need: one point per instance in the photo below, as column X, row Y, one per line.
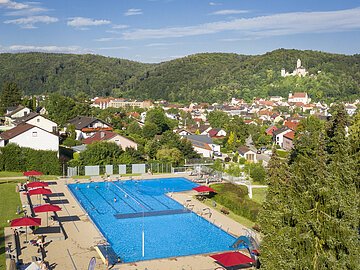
column 37, row 73
column 210, row 77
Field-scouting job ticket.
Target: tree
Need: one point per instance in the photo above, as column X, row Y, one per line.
column 149, row 130
column 10, row 96
column 231, row 142
column 312, row 216
column 134, row 128
column 218, row 119
column 101, row 153
column 169, row 155
column 157, row 117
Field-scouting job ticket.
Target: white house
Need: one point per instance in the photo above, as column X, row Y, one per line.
column 86, row 126
column 203, row 145
column 299, row 97
column 278, row 135
column 38, row 120
column 247, row 153
column 26, row 135
column 13, row 113
column 109, row 136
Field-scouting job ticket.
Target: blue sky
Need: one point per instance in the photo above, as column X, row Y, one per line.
column 160, row 30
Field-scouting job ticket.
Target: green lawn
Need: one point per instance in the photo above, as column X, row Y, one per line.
column 9, row 201
column 10, row 174
column 282, row 153
column 259, row 195
column 242, row 220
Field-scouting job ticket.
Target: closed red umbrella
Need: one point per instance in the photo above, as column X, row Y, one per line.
column 32, row 173
column 204, row 189
column 25, row 222
column 37, row 184
column 46, row 208
column 41, row 190
column 232, row 258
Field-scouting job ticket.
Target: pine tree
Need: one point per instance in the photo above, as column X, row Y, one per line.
column 321, row 202
column 10, row 96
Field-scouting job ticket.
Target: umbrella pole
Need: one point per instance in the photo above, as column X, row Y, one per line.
column 26, row 234
column 47, row 219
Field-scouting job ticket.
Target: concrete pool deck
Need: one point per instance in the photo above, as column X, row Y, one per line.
column 76, row 251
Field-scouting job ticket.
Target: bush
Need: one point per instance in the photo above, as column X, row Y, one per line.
column 16, row 158
column 234, row 198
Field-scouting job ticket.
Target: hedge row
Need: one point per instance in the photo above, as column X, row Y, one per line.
column 16, row 158
column 235, row 198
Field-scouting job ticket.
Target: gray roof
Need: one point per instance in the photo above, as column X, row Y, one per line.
column 81, row 122
column 79, row 148
column 26, row 118
column 280, row 130
column 199, row 138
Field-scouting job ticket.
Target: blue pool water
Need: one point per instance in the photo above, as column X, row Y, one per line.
column 165, row 235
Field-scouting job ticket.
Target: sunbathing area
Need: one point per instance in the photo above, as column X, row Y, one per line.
column 122, row 223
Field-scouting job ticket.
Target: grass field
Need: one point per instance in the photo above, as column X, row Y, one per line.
column 10, row 174
column 9, row 201
column 242, row 220
column 259, row 195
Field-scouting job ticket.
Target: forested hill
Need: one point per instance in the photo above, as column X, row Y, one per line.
column 37, row 73
column 210, row 77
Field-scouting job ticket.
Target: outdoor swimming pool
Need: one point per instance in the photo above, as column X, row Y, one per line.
column 123, row 210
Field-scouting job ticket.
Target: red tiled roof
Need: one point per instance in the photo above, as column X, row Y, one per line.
column 291, row 125
column 270, row 130
column 12, row 133
column 290, row 135
column 96, row 129
column 299, row 95
column 100, row 136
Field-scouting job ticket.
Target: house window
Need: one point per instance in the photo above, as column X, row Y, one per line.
column 38, row 120
column 34, row 134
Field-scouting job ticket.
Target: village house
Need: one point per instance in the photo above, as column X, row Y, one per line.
column 278, row 135
column 203, row 145
column 26, row 135
column 110, row 136
column 299, row 98
column 86, row 126
column 247, row 153
column 288, row 140
column 13, row 113
column 38, row 120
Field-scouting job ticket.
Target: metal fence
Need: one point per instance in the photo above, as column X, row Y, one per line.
column 119, row 169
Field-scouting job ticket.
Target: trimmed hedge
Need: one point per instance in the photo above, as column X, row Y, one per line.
column 235, row 198
column 20, row 159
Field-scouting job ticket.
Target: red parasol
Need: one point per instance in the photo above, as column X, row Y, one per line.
column 232, row 258
column 41, row 190
column 32, row 173
column 25, row 221
column 46, row 208
column 37, row 184
column 204, row 189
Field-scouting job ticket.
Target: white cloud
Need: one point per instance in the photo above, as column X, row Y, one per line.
column 159, row 44
column 82, row 23
column 114, row 48
column 229, row 12
column 215, row 4
column 120, row 26
column 27, row 12
column 13, row 5
column 29, row 22
column 271, row 25
column 133, row 11
column 49, row 49
column 104, row 39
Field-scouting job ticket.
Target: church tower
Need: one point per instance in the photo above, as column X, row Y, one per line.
column 298, row 63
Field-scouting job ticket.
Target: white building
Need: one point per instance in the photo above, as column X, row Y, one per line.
column 299, row 97
column 278, row 135
column 110, row 136
column 38, row 120
column 203, row 145
column 14, row 113
column 26, row 135
column 247, row 153
column 298, row 71
column 86, row 126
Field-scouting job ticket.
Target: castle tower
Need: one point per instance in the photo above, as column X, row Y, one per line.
column 298, row 63
column 283, row 72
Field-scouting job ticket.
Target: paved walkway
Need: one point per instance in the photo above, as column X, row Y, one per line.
column 76, row 251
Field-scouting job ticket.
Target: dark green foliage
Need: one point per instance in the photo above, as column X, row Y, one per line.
column 234, row 197
column 157, row 117
column 101, row 153
column 10, row 96
column 311, row 213
column 15, row 158
column 38, row 73
column 218, row 119
column 208, row 77
column 257, row 172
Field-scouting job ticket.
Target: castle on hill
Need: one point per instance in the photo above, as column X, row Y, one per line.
column 298, row 71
